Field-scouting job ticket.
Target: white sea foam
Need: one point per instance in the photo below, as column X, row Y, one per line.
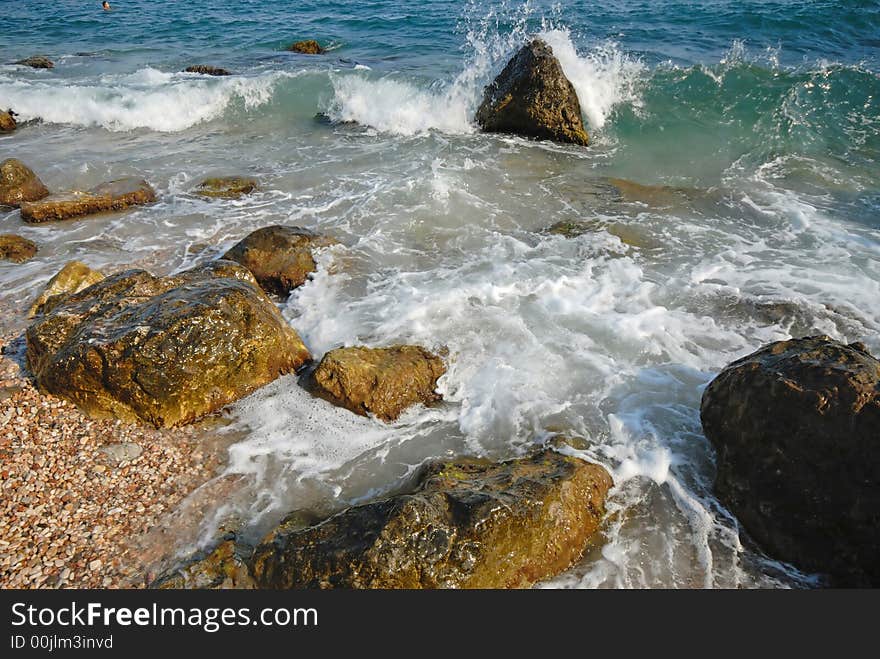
column 148, row 98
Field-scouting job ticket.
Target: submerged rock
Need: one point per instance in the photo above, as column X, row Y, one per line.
column 206, row 70
column 72, row 278
column 628, row 235
column 470, row 524
column 796, row 428
column 226, row 187
column 19, row 184
column 307, row 47
column 113, row 196
column 279, row 257
column 7, row 121
column 533, row 98
column 378, row 381
column 36, row 62
column 115, row 454
column 164, row 350
column 16, row 248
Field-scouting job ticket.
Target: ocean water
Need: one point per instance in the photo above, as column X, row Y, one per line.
column 749, row 133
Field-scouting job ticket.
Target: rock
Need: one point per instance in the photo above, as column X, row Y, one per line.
column 307, row 47
column 16, row 249
column 113, row 196
column 533, row 98
column 279, row 257
column 223, row 567
column 7, row 121
column 469, row 524
column 166, row 350
column 116, row 454
column 37, row 62
column 627, row 234
column 796, row 428
column 74, row 277
column 229, row 187
column 19, row 184
column 206, row 70
column 378, row 381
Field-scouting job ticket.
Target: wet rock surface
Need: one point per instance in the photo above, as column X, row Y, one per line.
column 307, row 47
column 796, row 428
column 226, row 187
column 207, row 70
column 72, row 278
column 106, row 197
column 532, row 97
column 19, row 184
column 280, row 257
column 165, row 351
column 7, row 121
column 16, row 248
column 37, row 62
column 379, row 381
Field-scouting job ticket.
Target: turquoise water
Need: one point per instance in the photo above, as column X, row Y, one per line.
column 755, row 126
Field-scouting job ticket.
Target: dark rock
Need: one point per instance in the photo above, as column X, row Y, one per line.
column 226, row 187
column 796, row 428
column 74, row 277
column 378, row 381
column 307, row 47
column 533, row 98
column 113, row 196
column 162, row 350
column 37, row 62
column 279, row 257
column 19, row 184
column 7, row 121
column 207, row 70
column 16, row 249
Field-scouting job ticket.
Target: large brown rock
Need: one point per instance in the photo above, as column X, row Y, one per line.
column 378, row 381
column 469, row 524
column 19, row 184
column 796, row 426
column 72, row 278
column 307, row 47
column 16, row 248
column 162, row 350
column 37, row 62
column 226, row 187
column 533, row 98
column 113, row 196
column 7, row 121
column 279, row 257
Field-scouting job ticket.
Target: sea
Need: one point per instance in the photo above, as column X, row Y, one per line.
column 730, row 197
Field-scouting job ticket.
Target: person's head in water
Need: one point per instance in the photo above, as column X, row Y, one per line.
column 106, row 5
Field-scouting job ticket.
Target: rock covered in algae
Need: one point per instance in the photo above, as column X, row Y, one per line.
column 533, row 98
column 72, row 278
column 280, row 257
column 226, row 187
column 16, row 248
column 378, row 381
column 307, row 47
column 113, row 196
column 162, row 350
column 796, row 426
column 19, row 184
column 206, row 70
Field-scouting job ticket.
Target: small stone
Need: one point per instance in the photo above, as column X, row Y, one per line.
column 116, row 454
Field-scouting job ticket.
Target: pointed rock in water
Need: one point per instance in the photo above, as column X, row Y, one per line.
column 167, row 350
column 74, row 277
column 533, row 98
column 226, row 187
column 16, row 249
column 468, row 524
column 7, row 121
column 36, row 62
column 113, row 196
column 378, row 381
column 206, row 70
column 279, row 257
column 307, row 47
column 796, row 427
column 19, row 184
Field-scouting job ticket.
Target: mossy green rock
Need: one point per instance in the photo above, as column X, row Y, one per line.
column 226, row 187
column 470, row 524
column 280, row 257
column 72, row 278
column 16, row 248
column 378, row 381
column 533, row 98
column 19, row 184
column 165, row 351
